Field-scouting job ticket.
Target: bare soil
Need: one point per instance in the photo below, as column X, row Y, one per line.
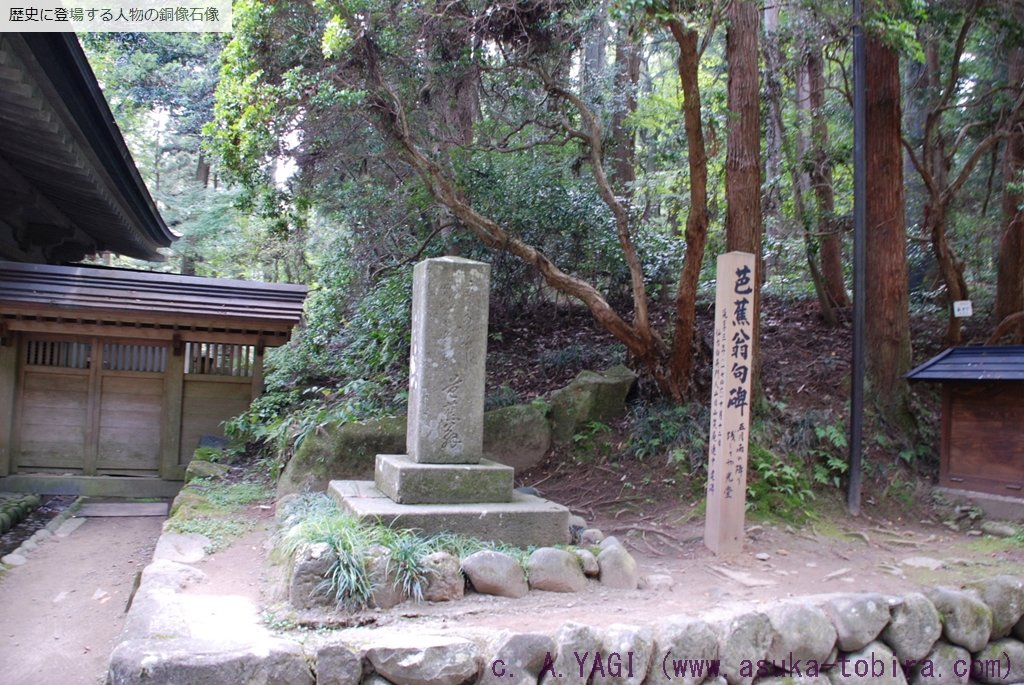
column 61, row 613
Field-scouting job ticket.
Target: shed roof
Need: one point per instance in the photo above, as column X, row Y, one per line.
column 72, row 293
column 68, row 185
column 977, row 363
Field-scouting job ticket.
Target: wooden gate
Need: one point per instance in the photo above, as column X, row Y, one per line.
column 90, row 406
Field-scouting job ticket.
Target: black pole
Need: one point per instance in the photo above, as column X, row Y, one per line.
column 859, row 258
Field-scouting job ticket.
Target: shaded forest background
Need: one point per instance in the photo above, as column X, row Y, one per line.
column 599, row 155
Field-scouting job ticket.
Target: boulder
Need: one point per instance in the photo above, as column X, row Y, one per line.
column 184, row 548
column 387, row 587
column 617, row 568
column 873, row 665
column 308, row 585
column 171, row 574
column 341, row 451
column 1004, row 595
column 966, row 620
column 591, row 536
column 944, row 665
column 1001, row 662
column 743, row 640
column 795, row 680
column 495, row 573
column 799, row 632
column 518, row 658
column 573, row 662
column 336, row 664
column 416, row 659
column 518, row 436
column 555, row 570
column 677, row 639
column 627, row 652
column 591, row 396
column 588, row 562
column 198, row 468
column 445, row 581
column 914, row 626
column 858, row 618
column 271, row 661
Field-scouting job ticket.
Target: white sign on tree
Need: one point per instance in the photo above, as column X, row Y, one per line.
column 730, row 403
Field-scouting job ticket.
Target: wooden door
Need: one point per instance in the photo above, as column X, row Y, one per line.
column 52, row 425
column 90, row 406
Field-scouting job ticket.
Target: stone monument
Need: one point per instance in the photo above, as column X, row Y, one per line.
column 444, row 483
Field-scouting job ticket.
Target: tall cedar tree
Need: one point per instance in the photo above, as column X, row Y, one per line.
column 886, row 303
column 743, row 225
column 1010, row 277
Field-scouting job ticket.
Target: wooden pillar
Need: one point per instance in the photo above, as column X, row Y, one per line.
column 8, row 378
column 257, row 371
column 174, row 380
column 90, row 452
column 735, row 347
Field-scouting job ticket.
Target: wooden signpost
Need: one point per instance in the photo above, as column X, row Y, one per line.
column 730, row 403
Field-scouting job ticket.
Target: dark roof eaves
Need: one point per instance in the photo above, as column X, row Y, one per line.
column 64, row 62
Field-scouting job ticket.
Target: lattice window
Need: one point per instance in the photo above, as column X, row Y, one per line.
column 219, row 359
column 59, row 353
column 134, row 357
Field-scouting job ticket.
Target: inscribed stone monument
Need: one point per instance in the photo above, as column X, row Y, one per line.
column 444, row 483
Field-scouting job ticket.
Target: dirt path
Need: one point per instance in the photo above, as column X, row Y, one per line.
column 61, row 613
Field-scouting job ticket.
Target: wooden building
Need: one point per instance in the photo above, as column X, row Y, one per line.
column 107, row 372
column 982, row 442
column 108, row 377
column 68, row 185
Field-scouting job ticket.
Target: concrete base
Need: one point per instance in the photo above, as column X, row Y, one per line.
column 996, row 507
column 90, row 486
column 525, row 521
column 408, row 482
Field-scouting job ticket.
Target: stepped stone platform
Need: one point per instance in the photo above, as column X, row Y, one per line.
column 524, row 521
column 410, row 482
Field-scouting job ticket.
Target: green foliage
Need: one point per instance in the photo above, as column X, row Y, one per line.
column 590, row 444
column 677, row 433
column 503, row 396
column 775, row 487
column 314, row 518
column 830, row 459
column 228, row 496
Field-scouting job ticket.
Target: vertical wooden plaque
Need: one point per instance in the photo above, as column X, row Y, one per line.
column 729, row 434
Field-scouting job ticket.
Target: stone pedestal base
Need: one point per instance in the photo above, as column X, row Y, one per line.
column 409, row 482
column 524, row 521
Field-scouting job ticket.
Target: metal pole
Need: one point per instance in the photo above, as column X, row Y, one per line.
column 859, row 258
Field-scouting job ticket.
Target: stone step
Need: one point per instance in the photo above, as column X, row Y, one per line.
column 524, row 521
column 409, row 482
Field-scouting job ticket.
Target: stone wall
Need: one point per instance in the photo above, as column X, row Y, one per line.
column 945, row 636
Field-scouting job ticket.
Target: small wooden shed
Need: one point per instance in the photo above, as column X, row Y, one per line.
column 982, row 442
column 110, row 372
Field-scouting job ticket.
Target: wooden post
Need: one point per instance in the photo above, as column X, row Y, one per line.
column 174, row 378
column 8, row 384
column 730, row 403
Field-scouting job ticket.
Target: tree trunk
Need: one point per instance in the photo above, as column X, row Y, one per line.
column 830, row 240
column 743, row 227
column 1010, row 279
column 627, row 78
column 1010, row 275
column 801, row 187
column 681, row 361
column 888, row 316
column 773, row 130
column 595, row 46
